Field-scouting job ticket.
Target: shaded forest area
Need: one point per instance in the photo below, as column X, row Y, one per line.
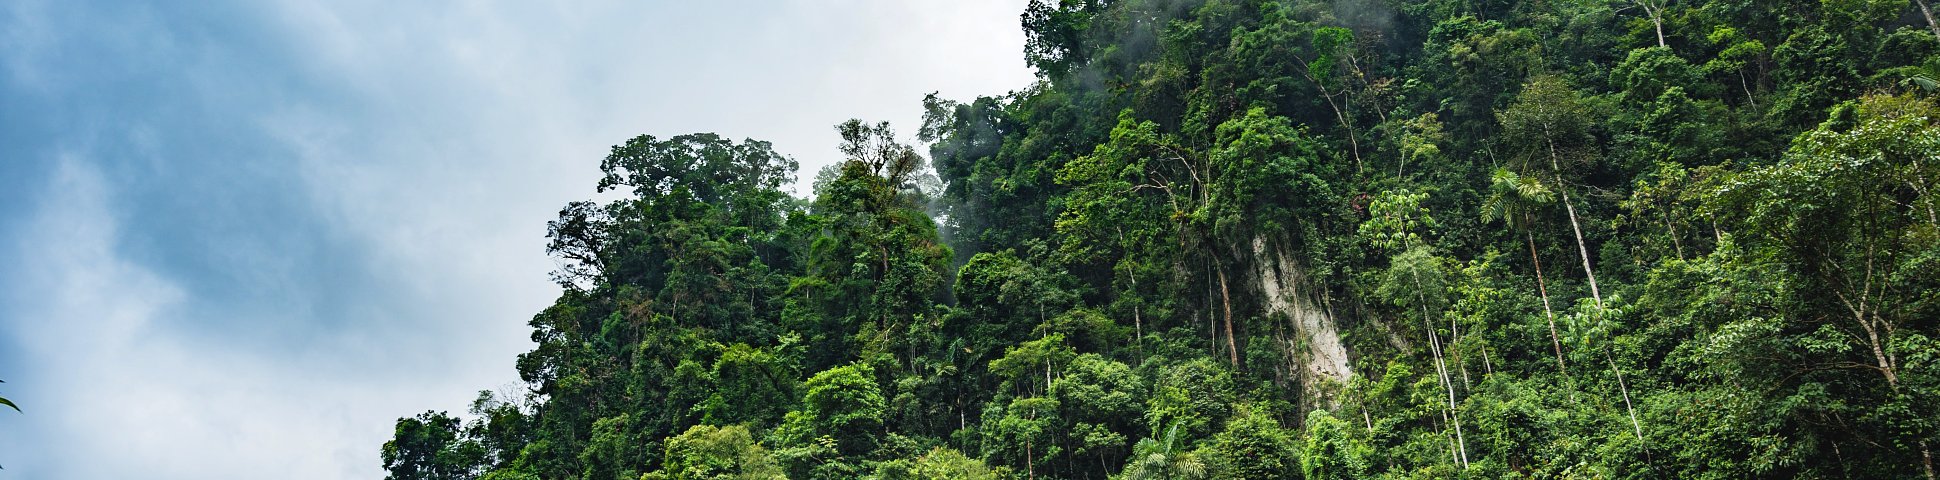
column 1280, row 239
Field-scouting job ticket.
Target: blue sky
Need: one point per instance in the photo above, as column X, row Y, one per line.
column 239, row 239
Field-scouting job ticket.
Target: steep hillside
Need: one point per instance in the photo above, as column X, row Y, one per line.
column 1269, row 239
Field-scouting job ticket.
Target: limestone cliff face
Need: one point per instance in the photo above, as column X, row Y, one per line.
column 1312, row 341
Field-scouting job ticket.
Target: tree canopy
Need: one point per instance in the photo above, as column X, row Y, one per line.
column 1279, row 239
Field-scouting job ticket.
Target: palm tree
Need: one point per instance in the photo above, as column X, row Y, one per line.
column 1515, row 199
column 1153, row 459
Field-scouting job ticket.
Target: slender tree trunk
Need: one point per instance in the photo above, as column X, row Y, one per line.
column 1138, row 323
column 1920, row 188
column 1582, row 249
column 1675, row 243
column 1550, row 315
column 1868, row 320
column 1488, row 366
column 1341, row 115
column 1364, row 416
column 1452, row 414
column 1658, row 20
column 1927, row 12
column 1634, row 424
column 1455, row 341
column 1226, row 302
column 1742, row 83
column 1926, row 454
column 1212, row 320
column 1441, row 371
column 1030, row 462
column 1655, row 10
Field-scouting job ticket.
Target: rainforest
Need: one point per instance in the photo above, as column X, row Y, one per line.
column 1261, row 239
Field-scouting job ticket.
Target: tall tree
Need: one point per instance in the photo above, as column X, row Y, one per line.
column 1515, row 200
column 1550, row 124
column 1851, row 215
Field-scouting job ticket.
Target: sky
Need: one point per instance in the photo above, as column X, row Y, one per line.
column 239, row 239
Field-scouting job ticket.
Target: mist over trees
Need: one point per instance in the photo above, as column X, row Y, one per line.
column 1279, row 239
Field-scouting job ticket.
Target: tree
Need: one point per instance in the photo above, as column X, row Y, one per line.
column 1332, row 451
column 877, row 148
column 752, row 385
column 707, row 452
column 429, row 447
column 1253, row 446
column 1654, row 11
column 1143, row 264
column 614, row 450
column 843, row 404
column 1029, row 422
column 1850, row 215
column 1055, row 34
column 1164, row 459
column 1926, row 12
column 1333, row 50
column 1548, row 122
column 1515, row 200
column 1099, row 403
column 1414, row 275
column 1196, row 395
column 940, row 464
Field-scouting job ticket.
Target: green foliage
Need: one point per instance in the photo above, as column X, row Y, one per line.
column 428, row 447
column 1396, row 221
column 1264, row 239
column 1332, row 449
column 1164, row 458
column 707, row 452
column 1253, row 446
column 843, row 404
column 613, row 451
column 752, row 385
column 1194, row 397
column 939, row 464
column 1514, row 199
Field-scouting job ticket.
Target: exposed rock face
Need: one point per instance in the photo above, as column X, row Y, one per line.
column 1314, row 344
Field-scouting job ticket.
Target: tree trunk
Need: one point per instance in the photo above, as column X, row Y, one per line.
column 1226, row 302
column 1583, row 250
column 1441, row 371
column 1658, row 20
column 1655, row 10
column 1675, row 243
column 1550, row 315
column 1634, row 424
column 1926, row 454
column 1457, row 347
column 1745, row 84
column 1030, row 462
column 1887, row 367
column 1927, row 12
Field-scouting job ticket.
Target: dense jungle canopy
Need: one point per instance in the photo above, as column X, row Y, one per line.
column 1279, row 239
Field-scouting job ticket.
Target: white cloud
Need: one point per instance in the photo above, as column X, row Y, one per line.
column 437, row 140
column 116, row 384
